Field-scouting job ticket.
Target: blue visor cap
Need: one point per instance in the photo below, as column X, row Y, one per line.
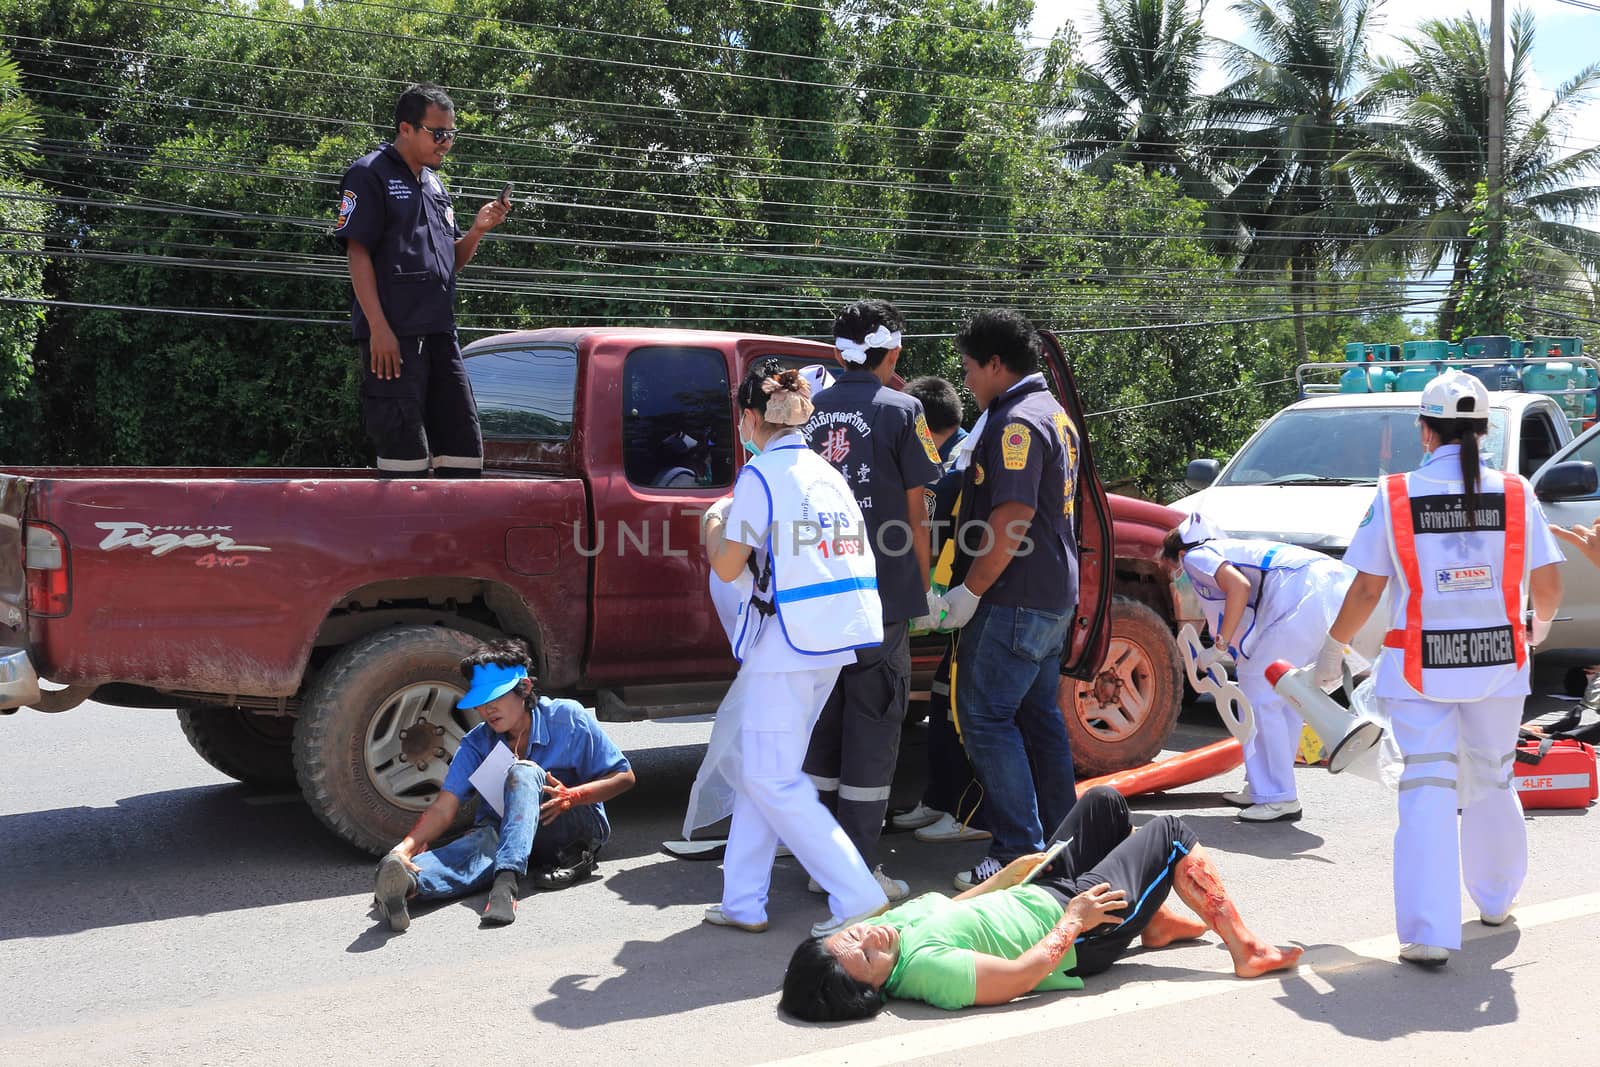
column 490, row 680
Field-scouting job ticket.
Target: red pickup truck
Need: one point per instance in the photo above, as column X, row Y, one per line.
column 306, row 623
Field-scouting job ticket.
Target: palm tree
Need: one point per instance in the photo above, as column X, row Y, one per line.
column 19, row 125
column 1291, row 113
column 1431, row 153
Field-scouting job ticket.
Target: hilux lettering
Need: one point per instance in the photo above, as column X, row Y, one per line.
column 161, row 540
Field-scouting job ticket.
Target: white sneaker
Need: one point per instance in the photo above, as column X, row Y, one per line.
column 813, row 887
column 717, row 917
column 1495, row 918
column 947, row 828
column 893, row 888
column 986, row 869
column 915, row 819
column 833, row 924
column 1241, row 799
column 1425, row 955
column 1282, row 811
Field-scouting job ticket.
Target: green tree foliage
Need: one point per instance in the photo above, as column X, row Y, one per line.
column 23, row 211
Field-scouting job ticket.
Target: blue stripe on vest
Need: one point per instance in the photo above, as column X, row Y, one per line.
column 811, row 592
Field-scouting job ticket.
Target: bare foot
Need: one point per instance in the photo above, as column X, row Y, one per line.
column 1167, row 926
column 1264, row 959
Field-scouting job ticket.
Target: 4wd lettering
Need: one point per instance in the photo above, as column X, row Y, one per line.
column 161, row 540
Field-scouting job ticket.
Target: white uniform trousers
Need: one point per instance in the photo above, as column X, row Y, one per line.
column 1432, row 855
column 774, row 801
column 1269, row 755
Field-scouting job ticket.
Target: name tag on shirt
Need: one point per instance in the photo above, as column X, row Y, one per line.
column 1461, row 579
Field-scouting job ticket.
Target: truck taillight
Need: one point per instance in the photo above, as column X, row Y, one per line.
column 45, row 557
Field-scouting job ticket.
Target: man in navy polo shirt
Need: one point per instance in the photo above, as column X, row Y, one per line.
column 878, row 438
column 565, row 769
column 404, row 250
column 1017, row 565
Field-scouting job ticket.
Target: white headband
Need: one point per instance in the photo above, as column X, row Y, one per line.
column 856, row 351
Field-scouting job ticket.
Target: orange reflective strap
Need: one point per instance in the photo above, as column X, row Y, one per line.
column 1405, row 550
column 1516, row 556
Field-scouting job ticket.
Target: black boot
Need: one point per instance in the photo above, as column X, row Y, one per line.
column 573, row 864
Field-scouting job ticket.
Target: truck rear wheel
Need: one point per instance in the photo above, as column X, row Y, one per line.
column 378, row 728
column 1124, row 715
column 253, row 748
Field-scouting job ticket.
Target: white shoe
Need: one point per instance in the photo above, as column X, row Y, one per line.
column 1282, row 811
column 813, row 887
column 947, row 828
column 915, row 819
column 986, row 869
column 1495, row 919
column 1426, row 955
column 717, row 917
column 1241, row 799
column 833, row 924
column 893, row 888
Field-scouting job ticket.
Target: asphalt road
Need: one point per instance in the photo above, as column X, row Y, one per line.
column 153, row 911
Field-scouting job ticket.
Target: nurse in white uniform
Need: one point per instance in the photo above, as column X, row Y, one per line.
column 1264, row 601
column 1463, row 549
column 814, row 603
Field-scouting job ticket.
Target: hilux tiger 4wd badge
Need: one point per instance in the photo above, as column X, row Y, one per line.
column 1461, row 579
column 160, row 540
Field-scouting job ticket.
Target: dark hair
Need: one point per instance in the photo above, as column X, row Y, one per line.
column 861, row 318
column 510, row 652
column 816, row 988
column 413, row 103
column 752, row 397
column 940, row 402
column 1004, row 333
column 1171, row 545
column 1463, row 432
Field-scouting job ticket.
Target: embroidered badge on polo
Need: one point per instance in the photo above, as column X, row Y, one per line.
column 1014, row 442
column 925, row 435
column 977, row 477
column 347, row 207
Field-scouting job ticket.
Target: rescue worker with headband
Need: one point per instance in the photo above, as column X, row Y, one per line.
column 1464, row 548
column 814, row 602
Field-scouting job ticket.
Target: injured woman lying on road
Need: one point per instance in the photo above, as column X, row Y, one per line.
column 1003, row 939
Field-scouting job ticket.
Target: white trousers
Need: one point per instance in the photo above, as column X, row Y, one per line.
column 1444, row 745
column 774, row 801
column 1269, row 755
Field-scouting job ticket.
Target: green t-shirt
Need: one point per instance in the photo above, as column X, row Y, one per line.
column 938, row 937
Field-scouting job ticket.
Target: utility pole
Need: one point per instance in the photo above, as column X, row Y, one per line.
column 1497, row 121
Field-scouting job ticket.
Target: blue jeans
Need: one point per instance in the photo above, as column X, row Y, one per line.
column 1007, row 674
column 471, row 861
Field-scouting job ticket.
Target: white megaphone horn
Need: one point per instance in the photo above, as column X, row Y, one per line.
column 1343, row 733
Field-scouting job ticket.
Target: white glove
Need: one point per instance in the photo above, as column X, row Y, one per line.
column 929, row 621
column 712, row 525
column 1330, row 665
column 1207, row 657
column 1538, row 629
column 959, row 604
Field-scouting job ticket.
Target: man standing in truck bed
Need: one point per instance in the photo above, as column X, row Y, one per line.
column 404, row 249
column 878, row 438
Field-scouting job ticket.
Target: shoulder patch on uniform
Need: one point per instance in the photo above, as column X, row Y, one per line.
column 977, row 477
column 1014, row 442
column 347, row 207
column 1367, row 518
column 925, row 435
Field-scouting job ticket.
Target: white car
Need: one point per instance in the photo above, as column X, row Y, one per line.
column 1578, row 624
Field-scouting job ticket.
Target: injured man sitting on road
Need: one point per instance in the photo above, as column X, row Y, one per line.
column 1003, row 939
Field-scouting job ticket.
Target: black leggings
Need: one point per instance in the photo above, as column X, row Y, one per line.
column 1105, row 848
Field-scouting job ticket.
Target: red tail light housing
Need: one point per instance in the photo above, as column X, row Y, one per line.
column 49, row 579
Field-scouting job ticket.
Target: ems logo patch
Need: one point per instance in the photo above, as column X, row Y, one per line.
column 977, row 477
column 1367, row 518
column 347, row 207
column 925, row 435
column 1460, row 579
column 1014, row 442
column 836, row 446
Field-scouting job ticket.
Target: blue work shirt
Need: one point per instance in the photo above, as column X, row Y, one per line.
column 565, row 740
column 1028, row 454
column 407, row 225
column 878, row 438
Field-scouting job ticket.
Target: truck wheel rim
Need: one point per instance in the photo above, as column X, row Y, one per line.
column 411, row 740
column 1117, row 702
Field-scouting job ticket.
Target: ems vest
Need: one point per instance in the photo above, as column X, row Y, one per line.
column 1462, row 580
column 819, row 577
column 1258, row 561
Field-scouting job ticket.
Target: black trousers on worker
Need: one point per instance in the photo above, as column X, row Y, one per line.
column 952, row 785
column 1106, row 848
column 856, row 742
column 426, row 419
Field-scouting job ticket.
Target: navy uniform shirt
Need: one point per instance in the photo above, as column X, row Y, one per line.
column 1028, row 454
column 409, row 229
column 878, row 438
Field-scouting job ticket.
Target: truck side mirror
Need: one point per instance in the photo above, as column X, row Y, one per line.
column 1567, row 480
column 1201, row 473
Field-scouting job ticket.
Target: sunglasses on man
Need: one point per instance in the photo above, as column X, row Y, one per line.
column 440, row 136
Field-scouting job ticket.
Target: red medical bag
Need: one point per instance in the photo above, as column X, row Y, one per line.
column 1552, row 773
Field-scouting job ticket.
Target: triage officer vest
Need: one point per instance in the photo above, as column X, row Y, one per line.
column 1462, row 579
column 824, row 582
column 1257, row 561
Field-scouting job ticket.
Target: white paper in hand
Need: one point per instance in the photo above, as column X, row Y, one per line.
column 490, row 777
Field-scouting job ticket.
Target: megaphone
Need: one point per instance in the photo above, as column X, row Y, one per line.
column 1355, row 735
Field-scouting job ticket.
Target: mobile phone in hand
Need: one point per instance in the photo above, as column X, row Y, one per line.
column 505, row 194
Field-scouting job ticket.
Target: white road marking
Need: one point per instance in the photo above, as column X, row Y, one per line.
column 935, row 1039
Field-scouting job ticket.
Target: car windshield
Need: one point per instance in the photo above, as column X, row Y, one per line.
column 1341, row 446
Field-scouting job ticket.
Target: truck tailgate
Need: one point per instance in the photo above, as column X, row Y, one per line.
column 13, row 579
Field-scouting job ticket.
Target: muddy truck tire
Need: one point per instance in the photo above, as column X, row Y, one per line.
column 245, row 745
column 1124, row 716
column 377, row 730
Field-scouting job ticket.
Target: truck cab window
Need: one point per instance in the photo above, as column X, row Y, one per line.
column 677, row 421
column 525, row 391
column 1538, row 442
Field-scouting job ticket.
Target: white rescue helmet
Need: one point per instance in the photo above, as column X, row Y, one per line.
column 1454, row 395
column 816, row 376
column 1196, row 528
